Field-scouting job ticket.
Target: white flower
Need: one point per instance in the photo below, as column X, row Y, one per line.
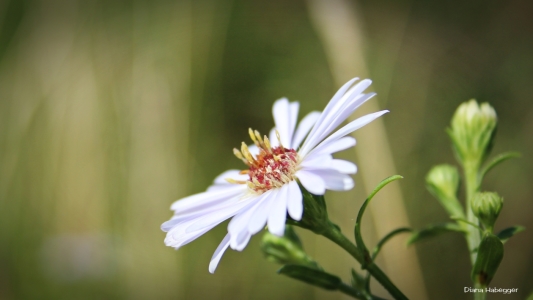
column 268, row 190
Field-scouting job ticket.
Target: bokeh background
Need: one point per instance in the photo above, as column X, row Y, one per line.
column 111, row 110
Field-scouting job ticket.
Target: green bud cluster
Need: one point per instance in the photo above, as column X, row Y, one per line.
column 487, row 206
column 286, row 249
column 472, row 130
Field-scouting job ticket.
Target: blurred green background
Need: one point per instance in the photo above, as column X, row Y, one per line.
column 111, row 110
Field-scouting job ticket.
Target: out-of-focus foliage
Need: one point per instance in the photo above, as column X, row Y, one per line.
column 111, row 110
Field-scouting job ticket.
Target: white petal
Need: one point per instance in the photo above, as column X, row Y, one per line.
column 278, row 212
column 293, row 113
column 273, row 138
column 178, row 240
column 313, row 161
column 337, row 110
column 348, row 109
column 168, row 225
column 220, row 187
column 206, row 198
column 213, row 207
column 339, row 97
column 221, row 215
column 218, row 254
column 295, row 205
column 334, row 146
column 280, row 111
column 241, row 241
column 311, row 182
column 344, row 166
column 260, row 216
column 240, row 221
column 335, row 117
column 334, row 180
column 354, row 125
column 239, row 224
column 303, row 128
column 339, row 94
column 177, row 235
column 233, row 174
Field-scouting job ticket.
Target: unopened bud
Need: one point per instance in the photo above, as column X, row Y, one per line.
column 286, row 249
column 487, row 206
column 472, row 130
column 443, row 181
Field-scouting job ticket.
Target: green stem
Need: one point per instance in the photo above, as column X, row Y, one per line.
column 348, row 290
column 472, row 187
column 334, row 234
column 471, row 169
column 479, row 295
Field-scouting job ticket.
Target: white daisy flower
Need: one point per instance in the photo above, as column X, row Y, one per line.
column 268, row 189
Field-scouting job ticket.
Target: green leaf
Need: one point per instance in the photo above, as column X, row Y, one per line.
column 311, row 276
column 358, row 281
column 490, row 254
column 507, row 233
column 386, row 238
column 433, row 230
column 361, row 284
column 496, row 161
column 357, row 231
column 467, row 223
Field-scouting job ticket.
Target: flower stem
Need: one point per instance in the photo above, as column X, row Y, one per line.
column 479, row 295
column 472, row 186
column 471, row 170
column 348, row 290
column 335, row 235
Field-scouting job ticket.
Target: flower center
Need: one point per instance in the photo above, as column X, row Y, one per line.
column 271, row 168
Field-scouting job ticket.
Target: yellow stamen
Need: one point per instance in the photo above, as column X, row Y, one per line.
column 258, row 136
column 249, row 157
column 279, row 140
column 237, row 153
column 267, row 144
column 243, row 172
column 250, row 185
column 252, row 136
column 233, row 181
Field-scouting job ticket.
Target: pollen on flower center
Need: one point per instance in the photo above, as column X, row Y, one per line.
column 271, row 168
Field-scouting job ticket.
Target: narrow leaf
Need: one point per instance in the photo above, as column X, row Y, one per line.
column 386, row 238
column 358, row 281
column 433, row 230
column 507, row 233
column 311, row 276
column 489, row 256
column 357, row 231
column 496, row 161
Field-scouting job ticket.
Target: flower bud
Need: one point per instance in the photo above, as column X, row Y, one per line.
column 286, row 249
column 487, row 206
column 443, row 181
column 472, row 130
